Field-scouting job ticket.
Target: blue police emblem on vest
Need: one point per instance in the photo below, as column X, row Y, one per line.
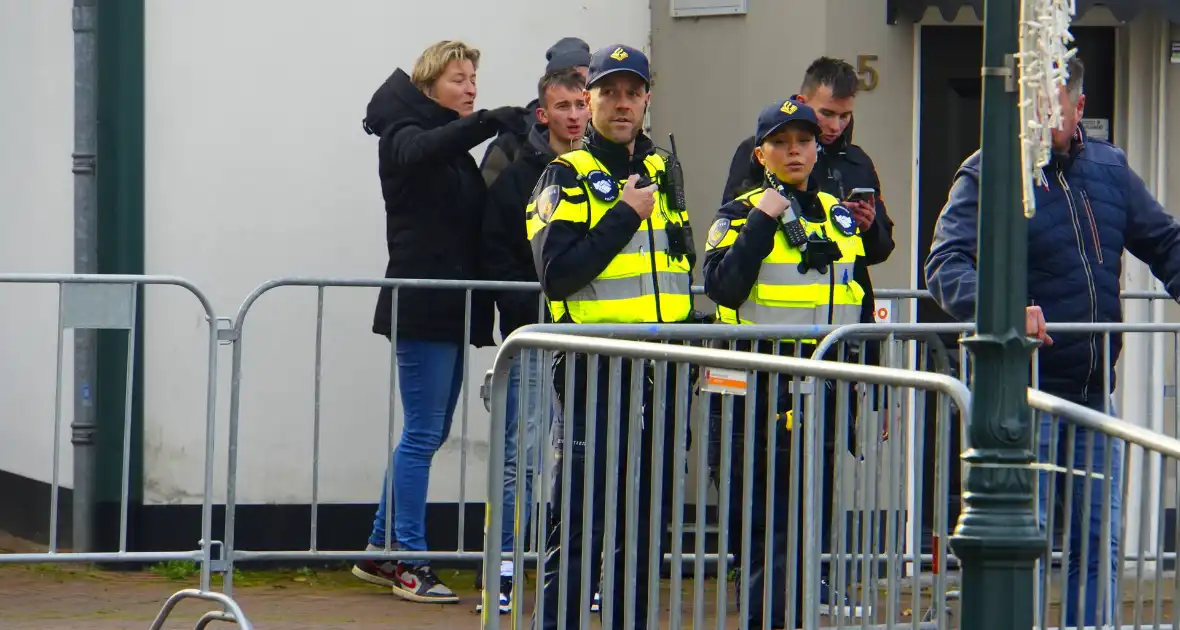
column 547, row 202
column 842, row 219
column 603, row 186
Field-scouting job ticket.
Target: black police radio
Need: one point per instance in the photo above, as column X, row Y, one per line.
column 671, row 184
column 818, row 251
column 792, row 227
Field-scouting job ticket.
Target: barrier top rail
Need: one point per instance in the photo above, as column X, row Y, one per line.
column 1097, row 421
column 441, row 284
column 827, row 336
column 923, row 294
column 921, row 331
column 742, row 332
column 392, row 283
column 108, row 278
column 828, row 370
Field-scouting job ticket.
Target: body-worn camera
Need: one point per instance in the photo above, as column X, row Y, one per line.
column 819, row 252
column 678, row 240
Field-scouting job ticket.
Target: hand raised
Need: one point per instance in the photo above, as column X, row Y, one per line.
column 773, row 203
column 642, row 200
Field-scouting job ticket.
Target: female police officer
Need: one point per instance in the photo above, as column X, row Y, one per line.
column 781, row 254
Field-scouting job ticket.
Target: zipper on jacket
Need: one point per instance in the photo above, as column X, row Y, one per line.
column 655, row 280
column 1093, row 224
column 1075, row 217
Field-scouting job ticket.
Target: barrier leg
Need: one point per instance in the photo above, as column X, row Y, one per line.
column 214, row 615
column 232, row 613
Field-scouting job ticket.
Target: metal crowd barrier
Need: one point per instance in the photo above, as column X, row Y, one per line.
column 1069, row 452
column 864, row 549
column 234, row 554
column 1104, row 602
column 908, row 298
column 109, row 302
column 661, row 371
column 869, row 550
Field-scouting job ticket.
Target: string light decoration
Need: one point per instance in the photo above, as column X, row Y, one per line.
column 1043, row 58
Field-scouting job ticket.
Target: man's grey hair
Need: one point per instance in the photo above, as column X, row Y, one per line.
column 1076, row 84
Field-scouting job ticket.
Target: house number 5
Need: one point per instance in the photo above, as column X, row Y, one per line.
column 868, row 74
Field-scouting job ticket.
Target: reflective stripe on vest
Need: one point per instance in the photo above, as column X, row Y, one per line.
column 782, row 295
column 642, row 283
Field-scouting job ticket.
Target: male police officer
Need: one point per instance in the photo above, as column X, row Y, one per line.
column 610, row 249
column 781, row 254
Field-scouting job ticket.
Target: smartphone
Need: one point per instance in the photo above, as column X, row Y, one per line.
column 862, row 194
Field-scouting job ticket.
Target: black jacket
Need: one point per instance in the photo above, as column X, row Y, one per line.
column 570, row 255
column 434, row 201
column 841, row 167
column 504, row 149
column 506, row 251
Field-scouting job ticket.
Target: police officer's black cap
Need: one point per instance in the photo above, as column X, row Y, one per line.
column 778, row 114
column 618, row 58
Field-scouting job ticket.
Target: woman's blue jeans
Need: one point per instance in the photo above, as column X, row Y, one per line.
column 429, row 377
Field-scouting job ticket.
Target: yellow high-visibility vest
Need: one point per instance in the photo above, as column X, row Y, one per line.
column 783, row 295
column 642, row 284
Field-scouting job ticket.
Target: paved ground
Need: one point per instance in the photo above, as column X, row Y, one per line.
column 52, row 598
column 44, row 597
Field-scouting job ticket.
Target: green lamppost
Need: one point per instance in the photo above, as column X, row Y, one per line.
column 997, row 539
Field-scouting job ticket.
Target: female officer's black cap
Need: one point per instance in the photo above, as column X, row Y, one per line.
column 779, row 113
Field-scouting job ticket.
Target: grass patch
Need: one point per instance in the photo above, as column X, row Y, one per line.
column 188, row 573
column 176, row 570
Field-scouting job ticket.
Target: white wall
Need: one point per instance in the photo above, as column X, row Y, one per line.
column 257, row 168
column 36, row 210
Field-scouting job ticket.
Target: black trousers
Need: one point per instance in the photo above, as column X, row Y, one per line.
column 648, row 498
column 753, row 569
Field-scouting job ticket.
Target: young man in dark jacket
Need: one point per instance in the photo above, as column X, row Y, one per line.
column 506, row 253
column 568, row 52
column 829, row 87
column 1091, row 208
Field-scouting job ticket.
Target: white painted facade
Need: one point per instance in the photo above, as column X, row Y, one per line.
column 257, row 168
column 36, row 208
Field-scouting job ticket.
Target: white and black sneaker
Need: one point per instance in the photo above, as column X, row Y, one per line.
column 421, row 584
column 379, row 572
column 505, row 596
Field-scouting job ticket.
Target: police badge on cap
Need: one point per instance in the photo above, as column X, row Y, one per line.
column 602, row 186
column 842, row 220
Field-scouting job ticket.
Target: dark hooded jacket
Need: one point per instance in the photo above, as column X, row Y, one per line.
column 434, row 201
column 506, row 251
column 504, row 149
column 841, row 167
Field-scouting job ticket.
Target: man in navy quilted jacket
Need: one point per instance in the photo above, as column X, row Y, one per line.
column 1092, row 209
